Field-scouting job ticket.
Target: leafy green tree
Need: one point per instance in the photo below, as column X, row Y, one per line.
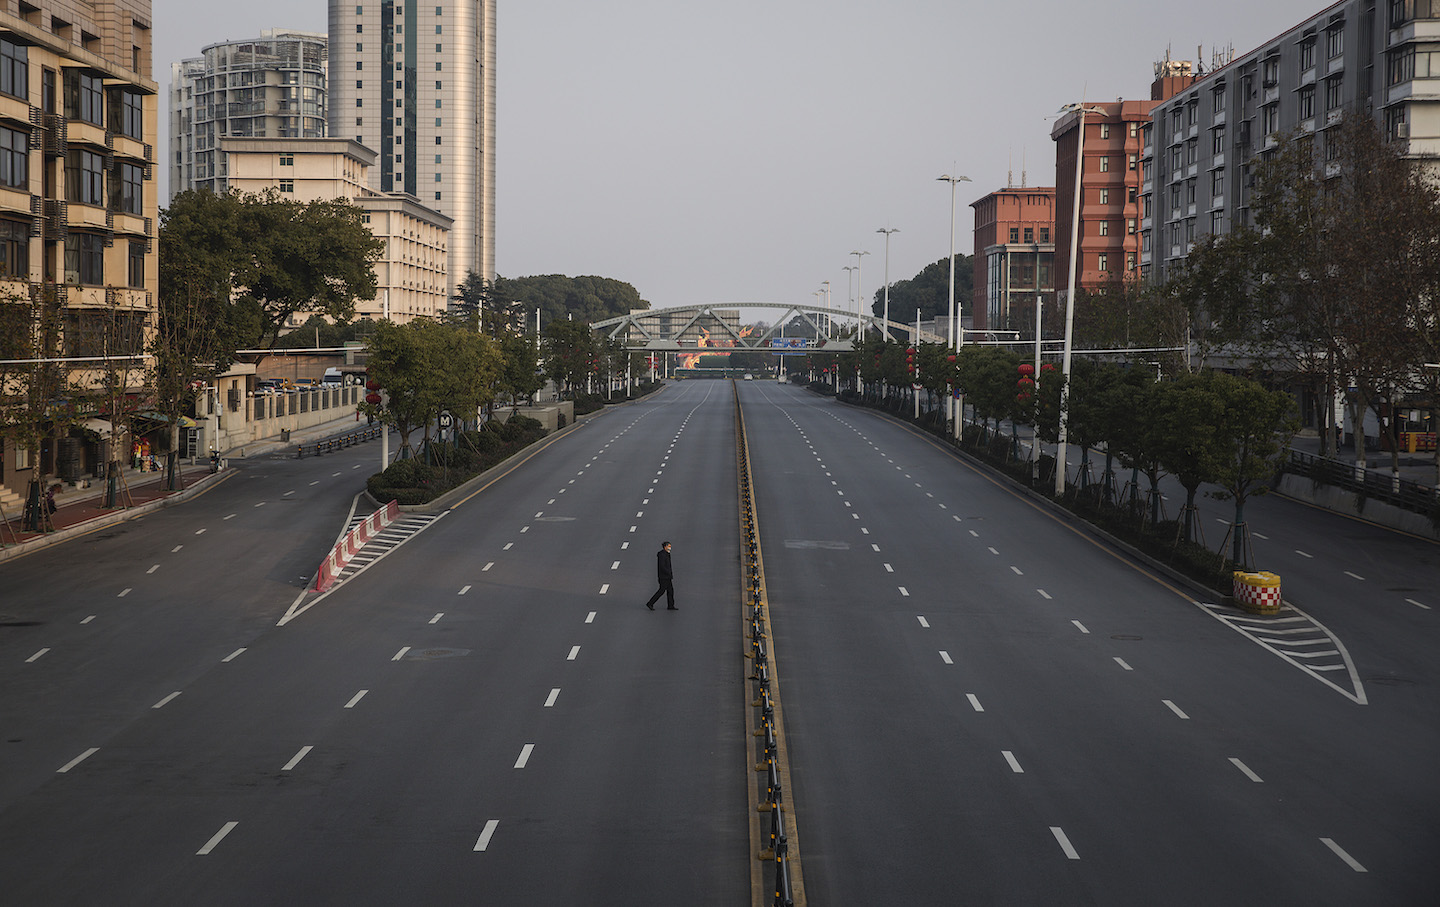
column 929, row 291
column 1127, row 313
column 1191, row 425
column 520, row 375
column 1252, row 430
column 570, row 349
column 558, row 297
column 319, row 331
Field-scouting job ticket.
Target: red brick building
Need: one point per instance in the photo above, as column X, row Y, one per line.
column 1014, row 256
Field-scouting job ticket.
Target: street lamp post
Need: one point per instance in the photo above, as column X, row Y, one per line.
column 859, row 292
column 849, row 284
column 955, row 414
column 829, row 322
column 1070, row 296
column 885, row 316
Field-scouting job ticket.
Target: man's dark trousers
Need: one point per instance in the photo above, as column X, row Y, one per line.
column 666, row 576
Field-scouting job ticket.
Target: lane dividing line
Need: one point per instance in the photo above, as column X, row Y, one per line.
column 525, row 752
column 923, row 622
column 124, row 592
column 1355, row 576
column 604, row 587
column 1410, row 600
column 1016, row 569
column 1121, row 662
column 93, row 616
column 355, row 699
column 574, row 651
column 1303, row 554
column 614, row 565
column 463, row 590
column 1064, row 842
column 436, row 618
column 77, row 760
column 550, row 700
column 37, row 655
column 1043, row 594
column 219, row 836
column 487, row 566
column 945, row 657
column 232, row 656
column 1340, row 852
column 295, row 760
column 974, row 702
column 1243, row 768
column 401, row 654
column 1175, row 708
column 161, row 703
column 1081, row 627
column 486, row 835
column 590, row 618
column 176, row 549
column 1014, row 763
column 904, row 592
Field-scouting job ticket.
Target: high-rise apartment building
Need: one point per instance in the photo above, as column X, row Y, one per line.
column 416, row 82
column 1014, row 257
column 1378, row 59
column 271, row 87
column 78, row 205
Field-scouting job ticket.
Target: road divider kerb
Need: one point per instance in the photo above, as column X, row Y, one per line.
column 351, row 543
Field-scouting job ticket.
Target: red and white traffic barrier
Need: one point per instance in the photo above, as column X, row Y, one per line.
column 354, row 540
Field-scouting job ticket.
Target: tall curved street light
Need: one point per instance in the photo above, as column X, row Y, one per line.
column 885, row 317
column 1070, row 295
column 859, row 294
column 952, row 412
column 849, row 284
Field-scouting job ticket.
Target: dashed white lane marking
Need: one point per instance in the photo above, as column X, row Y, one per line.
column 153, row 568
column 539, row 515
column 199, row 531
column 508, row 546
column 604, row 588
column 1043, row 594
column 1064, row 842
column 639, row 514
column 614, row 565
column 486, row 835
column 161, row 703
column 1340, row 852
column 1014, row 763
column 889, row 569
column 1355, row 576
column 923, row 622
column 1303, row 554
column 550, row 700
column 551, row 501
column 1410, row 600
column 1122, row 663
column 219, row 836
column 230, row 516
column 624, row 546
column 991, row 549
column 974, row 702
column 287, row 494
column 93, row 616
column 1259, row 536
column 945, row 657
column 232, row 656
column 875, row 547
column 524, row 529
column 633, row 528
column 973, row 532
column 356, row 466
column 904, row 592
column 401, row 654
column 1249, row 774
column 77, row 760
column 436, row 618
column 574, row 652
column 463, row 590
column 262, row 503
column 355, row 699
column 316, row 482
column 1175, row 708
column 295, row 760
column 525, row 752
column 37, row 655
column 124, row 592
column 1079, row 626
column 1016, row 570
column 176, row 549
column 487, row 566
column 590, row 618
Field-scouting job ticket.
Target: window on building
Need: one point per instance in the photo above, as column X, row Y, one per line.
column 135, row 262
column 1306, row 99
column 1104, row 228
column 1174, row 198
column 1272, row 119
column 437, row 196
column 359, row 48
column 1270, row 72
column 1333, row 93
column 1030, row 234
column 1104, row 163
column 1217, row 140
column 1129, row 261
column 1335, row 41
column 1130, row 226
column 359, row 102
column 1134, row 130
column 1104, row 130
column 1175, row 158
column 127, row 189
column 1217, row 223
column 1102, row 262
column 1307, row 54
column 1044, row 234
column 287, row 160
column 1217, row 183
column 1192, row 112
column 359, row 65
column 1190, row 192
column 1104, row 196
column 85, row 259
column 1192, row 151
column 84, row 97
column 1014, row 234
column 14, row 69
column 359, row 28
column 1132, row 194
column 84, row 177
column 1217, row 98
column 14, row 158
column 14, row 249
column 127, row 114
column 287, row 186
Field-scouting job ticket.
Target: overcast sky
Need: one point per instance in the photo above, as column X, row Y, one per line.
column 738, row 151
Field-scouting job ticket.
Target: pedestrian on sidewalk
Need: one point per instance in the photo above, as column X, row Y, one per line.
column 665, row 573
column 50, row 498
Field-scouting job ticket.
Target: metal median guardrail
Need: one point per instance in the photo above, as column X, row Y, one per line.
column 331, row 445
column 1373, row 484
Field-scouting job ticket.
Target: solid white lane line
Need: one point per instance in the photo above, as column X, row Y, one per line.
column 550, row 700
column 36, row 656
column 487, row 566
column 945, row 657
column 486, row 835
column 355, row 699
column 590, row 618
column 1017, row 570
column 904, row 592
column 77, row 760
column 525, row 752
column 1043, row 594
column 1121, row 662
column 1064, row 842
column 1303, row 554
column 1340, row 852
column 93, row 616
column 605, row 587
column 923, row 622
column 463, row 590
column 124, row 592
column 1410, row 600
column 219, row 836
column 436, row 618
column 1249, row 774
column 401, row 654
column 1079, row 626
column 294, row 761
column 574, row 651
column 1355, row 576
column 1014, row 763
column 1175, row 708
column 162, row 702
column 232, row 656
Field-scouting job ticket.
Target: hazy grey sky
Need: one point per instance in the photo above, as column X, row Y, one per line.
column 738, row 151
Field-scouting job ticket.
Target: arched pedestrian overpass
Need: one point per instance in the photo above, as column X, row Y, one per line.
column 692, row 327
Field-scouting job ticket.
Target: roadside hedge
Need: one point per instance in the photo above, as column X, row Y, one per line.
column 440, row 466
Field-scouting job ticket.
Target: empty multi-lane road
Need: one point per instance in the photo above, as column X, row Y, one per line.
column 982, row 703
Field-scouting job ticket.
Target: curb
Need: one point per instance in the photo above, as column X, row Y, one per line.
column 110, row 519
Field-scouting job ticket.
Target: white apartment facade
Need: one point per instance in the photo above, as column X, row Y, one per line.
column 416, row 82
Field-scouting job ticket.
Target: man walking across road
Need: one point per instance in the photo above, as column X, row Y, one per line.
column 666, row 575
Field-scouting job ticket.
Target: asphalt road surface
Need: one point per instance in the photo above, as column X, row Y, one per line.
column 983, row 704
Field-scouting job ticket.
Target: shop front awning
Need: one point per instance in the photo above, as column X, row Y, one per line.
column 185, row 421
